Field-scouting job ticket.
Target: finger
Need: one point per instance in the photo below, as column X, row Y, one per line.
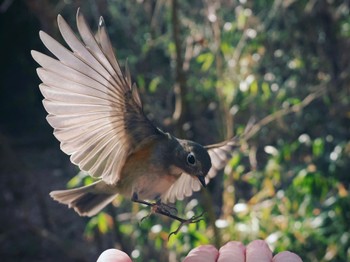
column 232, row 251
column 258, row 250
column 113, row 255
column 286, row 256
column 206, row 253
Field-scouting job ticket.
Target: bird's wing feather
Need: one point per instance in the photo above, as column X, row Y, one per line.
column 93, row 107
column 183, row 187
column 220, row 154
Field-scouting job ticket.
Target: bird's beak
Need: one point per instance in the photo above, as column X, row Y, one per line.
column 202, row 180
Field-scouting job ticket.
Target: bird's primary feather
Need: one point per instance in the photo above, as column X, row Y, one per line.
column 95, row 111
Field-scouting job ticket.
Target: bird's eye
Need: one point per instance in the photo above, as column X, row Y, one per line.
column 191, row 159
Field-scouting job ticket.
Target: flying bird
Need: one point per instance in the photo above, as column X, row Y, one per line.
column 96, row 113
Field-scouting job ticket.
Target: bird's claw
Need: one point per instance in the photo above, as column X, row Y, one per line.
column 194, row 219
column 169, row 211
column 145, row 217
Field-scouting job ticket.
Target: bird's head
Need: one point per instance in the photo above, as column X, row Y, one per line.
column 193, row 159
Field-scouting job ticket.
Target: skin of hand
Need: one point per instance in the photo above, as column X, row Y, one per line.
column 97, row 115
column 256, row 251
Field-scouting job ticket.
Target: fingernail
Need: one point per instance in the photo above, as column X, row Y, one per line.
column 205, row 253
column 258, row 250
column 286, row 256
column 232, row 251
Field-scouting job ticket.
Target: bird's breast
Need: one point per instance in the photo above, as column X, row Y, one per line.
column 145, row 174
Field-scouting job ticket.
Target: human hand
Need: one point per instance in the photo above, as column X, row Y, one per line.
column 255, row 251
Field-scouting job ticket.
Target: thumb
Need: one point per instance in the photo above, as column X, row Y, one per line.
column 113, row 255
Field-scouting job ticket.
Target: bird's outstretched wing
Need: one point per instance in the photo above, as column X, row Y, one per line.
column 219, row 154
column 183, row 187
column 93, row 107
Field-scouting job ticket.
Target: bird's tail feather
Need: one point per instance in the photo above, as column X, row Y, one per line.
column 86, row 201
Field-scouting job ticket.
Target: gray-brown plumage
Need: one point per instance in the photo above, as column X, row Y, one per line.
column 97, row 115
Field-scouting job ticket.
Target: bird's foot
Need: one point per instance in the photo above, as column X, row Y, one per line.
column 194, row 219
column 156, row 207
column 168, row 211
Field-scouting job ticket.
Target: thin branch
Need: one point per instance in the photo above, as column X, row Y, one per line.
column 282, row 112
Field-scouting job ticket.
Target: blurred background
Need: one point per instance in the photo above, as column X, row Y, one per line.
column 204, row 69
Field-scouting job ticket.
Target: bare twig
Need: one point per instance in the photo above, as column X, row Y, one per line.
column 285, row 111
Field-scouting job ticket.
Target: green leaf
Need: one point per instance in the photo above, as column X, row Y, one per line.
column 294, row 101
column 90, row 226
column 254, row 88
column 74, row 181
column 226, row 48
column 88, row 180
column 152, row 87
column 241, row 20
column 206, row 60
column 318, row 147
column 141, row 82
column 235, row 160
column 78, row 179
column 266, row 90
column 102, row 223
column 171, row 48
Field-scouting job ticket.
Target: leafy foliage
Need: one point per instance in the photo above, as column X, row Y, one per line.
column 289, row 185
column 283, row 63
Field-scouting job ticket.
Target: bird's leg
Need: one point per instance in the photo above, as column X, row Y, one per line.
column 164, row 209
column 156, row 207
column 135, row 199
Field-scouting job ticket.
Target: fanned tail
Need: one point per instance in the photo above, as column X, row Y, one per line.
column 86, row 201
